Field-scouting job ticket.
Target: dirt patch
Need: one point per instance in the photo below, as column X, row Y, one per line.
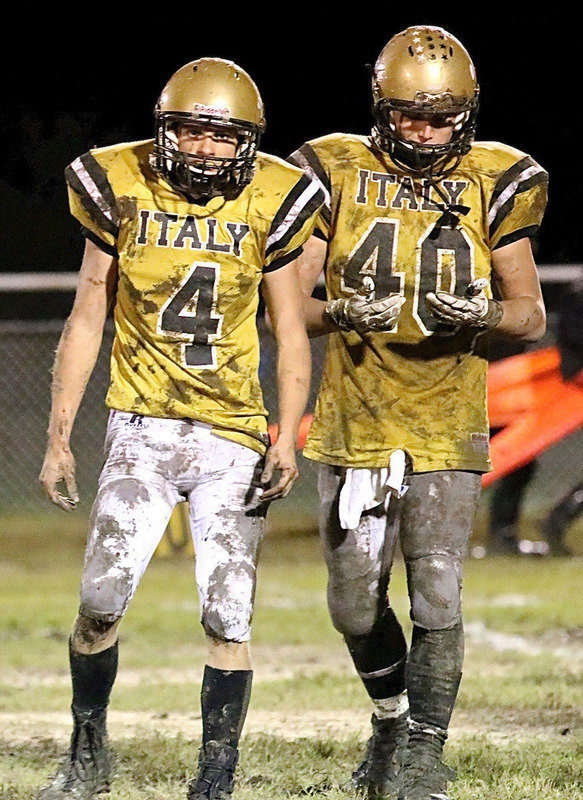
column 30, row 726
column 270, row 664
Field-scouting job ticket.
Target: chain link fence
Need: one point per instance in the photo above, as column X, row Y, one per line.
column 26, row 357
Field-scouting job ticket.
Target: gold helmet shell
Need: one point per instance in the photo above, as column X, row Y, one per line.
column 213, row 89
column 215, row 93
column 424, row 69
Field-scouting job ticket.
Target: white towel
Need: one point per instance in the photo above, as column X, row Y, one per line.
column 364, row 489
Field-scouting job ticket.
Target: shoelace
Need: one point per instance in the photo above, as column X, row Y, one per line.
column 83, row 751
column 210, row 777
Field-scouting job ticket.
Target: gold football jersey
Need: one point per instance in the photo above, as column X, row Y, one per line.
column 186, row 342
column 419, row 387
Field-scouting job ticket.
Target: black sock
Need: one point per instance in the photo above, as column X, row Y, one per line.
column 92, row 677
column 433, row 674
column 224, row 701
column 379, row 657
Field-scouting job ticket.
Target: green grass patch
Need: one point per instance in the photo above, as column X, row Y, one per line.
column 272, row 768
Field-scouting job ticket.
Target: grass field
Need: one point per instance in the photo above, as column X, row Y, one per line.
column 514, row 732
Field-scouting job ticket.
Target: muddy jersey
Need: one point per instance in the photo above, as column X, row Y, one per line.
column 186, row 342
column 419, row 387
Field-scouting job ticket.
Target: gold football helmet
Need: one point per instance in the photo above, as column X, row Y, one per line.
column 425, row 70
column 217, row 94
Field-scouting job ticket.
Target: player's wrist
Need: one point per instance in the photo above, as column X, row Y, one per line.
column 336, row 311
column 492, row 315
column 287, row 439
column 58, row 440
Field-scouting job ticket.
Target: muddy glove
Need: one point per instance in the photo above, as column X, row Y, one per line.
column 360, row 312
column 474, row 308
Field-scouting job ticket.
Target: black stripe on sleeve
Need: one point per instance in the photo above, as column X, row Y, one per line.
column 312, row 205
column 105, row 246
column 277, row 263
column 307, row 152
column 535, row 180
column 524, row 233
column 510, row 175
column 327, row 214
column 287, row 204
column 320, row 234
column 90, row 206
column 99, row 176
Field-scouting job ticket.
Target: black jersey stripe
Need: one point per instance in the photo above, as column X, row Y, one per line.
column 91, row 207
column 510, row 175
column 311, row 205
column 105, row 246
column 529, row 232
column 326, row 214
column 99, row 176
column 281, row 261
column 307, row 154
column 539, row 179
column 298, row 189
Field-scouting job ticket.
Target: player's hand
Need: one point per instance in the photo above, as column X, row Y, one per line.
column 474, row 308
column 280, row 457
column 361, row 313
column 59, row 466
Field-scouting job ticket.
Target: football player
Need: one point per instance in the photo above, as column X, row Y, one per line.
column 422, row 220
column 182, row 231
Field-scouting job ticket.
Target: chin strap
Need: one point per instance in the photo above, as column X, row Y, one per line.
column 449, row 211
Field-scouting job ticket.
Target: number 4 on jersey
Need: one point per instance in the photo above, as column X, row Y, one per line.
column 376, row 255
column 190, row 312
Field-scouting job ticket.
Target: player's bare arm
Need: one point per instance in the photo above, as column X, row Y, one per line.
column 284, row 301
column 360, row 312
column 75, row 358
column 523, row 310
column 520, row 314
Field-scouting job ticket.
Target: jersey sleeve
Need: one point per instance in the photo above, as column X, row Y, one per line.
column 518, row 203
column 293, row 223
column 92, row 202
column 307, row 158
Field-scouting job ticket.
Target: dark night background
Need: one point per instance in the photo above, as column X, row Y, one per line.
column 87, row 85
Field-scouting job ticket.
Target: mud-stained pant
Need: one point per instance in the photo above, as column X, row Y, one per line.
column 433, row 522
column 152, row 464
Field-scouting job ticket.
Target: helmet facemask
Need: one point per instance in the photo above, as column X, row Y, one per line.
column 425, row 160
column 200, row 176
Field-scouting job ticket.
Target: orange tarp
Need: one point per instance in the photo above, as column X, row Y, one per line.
column 529, row 400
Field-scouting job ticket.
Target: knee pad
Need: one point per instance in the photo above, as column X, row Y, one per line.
column 434, row 590
column 106, row 597
column 353, row 612
column 226, row 620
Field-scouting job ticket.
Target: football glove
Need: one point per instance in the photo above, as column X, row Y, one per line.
column 361, row 313
column 473, row 309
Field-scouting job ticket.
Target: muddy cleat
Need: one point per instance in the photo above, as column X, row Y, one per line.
column 378, row 775
column 86, row 770
column 216, row 766
column 424, row 776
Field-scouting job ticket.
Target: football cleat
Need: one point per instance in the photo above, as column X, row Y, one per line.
column 86, row 770
column 379, row 774
column 424, row 776
column 216, row 767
